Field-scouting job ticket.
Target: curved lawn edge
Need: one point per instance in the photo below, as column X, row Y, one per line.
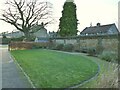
column 88, row 80
column 85, row 81
column 82, row 82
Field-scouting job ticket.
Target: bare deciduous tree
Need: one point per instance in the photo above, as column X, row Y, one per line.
column 24, row 14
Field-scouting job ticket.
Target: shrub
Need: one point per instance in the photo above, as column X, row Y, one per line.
column 91, row 51
column 68, row 47
column 84, row 50
column 99, row 49
column 108, row 56
column 27, row 45
column 76, row 47
column 51, row 45
column 59, row 46
column 36, row 46
column 109, row 77
column 4, row 36
column 5, row 40
column 77, row 50
column 20, row 45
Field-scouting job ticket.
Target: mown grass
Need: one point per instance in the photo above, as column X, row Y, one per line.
column 51, row 69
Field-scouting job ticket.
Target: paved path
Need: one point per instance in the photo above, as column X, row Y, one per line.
column 12, row 77
column 0, row 68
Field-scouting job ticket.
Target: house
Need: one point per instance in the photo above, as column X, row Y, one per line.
column 109, row 29
column 39, row 32
column 42, row 32
column 15, row 34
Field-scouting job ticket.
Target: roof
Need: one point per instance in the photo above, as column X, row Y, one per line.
column 36, row 28
column 97, row 29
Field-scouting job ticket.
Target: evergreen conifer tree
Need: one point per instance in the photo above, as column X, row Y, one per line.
column 68, row 21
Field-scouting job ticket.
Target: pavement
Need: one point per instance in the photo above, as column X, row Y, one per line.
column 12, row 76
column 0, row 68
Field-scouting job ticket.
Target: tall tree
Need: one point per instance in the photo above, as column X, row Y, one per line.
column 24, row 14
column 68, row 21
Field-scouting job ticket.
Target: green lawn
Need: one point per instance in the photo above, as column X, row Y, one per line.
column 51, row 69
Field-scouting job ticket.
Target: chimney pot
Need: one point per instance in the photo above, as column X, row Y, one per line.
column 98, row 24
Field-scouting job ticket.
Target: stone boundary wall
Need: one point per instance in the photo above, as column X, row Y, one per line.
column 109, row 42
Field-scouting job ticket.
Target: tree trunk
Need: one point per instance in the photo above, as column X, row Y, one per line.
column 27, row 36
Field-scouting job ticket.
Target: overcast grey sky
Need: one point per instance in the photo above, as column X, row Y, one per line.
column 88, row 11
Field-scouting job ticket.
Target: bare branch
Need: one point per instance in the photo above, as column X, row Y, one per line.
column 23, row 14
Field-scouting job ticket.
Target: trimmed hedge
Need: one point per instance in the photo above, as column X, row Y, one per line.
column 27, row 45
